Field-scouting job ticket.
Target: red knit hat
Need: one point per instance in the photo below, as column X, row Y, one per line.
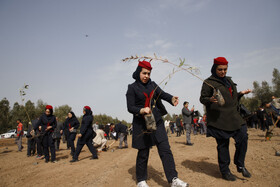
column 49, row 107
column 87, row 107
column 220, row 61
column 145, row 64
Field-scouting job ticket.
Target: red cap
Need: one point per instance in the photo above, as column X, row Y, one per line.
column 220, row 61
column 145, row 64
column 87, row 107
column 49, row 107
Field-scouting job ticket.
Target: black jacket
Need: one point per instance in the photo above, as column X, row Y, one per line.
column 34, row 123
column 107, row 129
column 69, row 123
column 86, row 128
column 225, row 117
column 178, row 122
column 30, row 128
column 45, row 121
column 57, row 130
column 135, row 101
column 120, row 128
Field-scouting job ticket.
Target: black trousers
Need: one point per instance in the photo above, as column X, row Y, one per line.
column 166, row 157
column 31, row 146
column 241, row 143
column 67, row 138
column 39, row 145
column 48, row 143
column 80, row 145
column 57, row 143
column 71, row 140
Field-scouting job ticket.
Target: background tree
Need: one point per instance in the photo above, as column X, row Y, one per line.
column 62, row 111
column 276, row 82
column 167, row 117
column 30, row 109
column 4, row 115
column 18, row 113
column 263, row 92
column 40, row 108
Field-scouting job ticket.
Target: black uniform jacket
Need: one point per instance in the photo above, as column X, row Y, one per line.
column 86, row 129
column 69, row 123
column 45, row 121
column 135, row 102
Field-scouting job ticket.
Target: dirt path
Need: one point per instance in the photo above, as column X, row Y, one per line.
column 196, row 164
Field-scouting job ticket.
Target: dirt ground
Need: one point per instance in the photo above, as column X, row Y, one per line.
column 196, row 165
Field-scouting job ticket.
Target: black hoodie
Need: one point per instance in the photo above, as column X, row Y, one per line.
column 86, row 126
column 71, row 122
column 46, row 121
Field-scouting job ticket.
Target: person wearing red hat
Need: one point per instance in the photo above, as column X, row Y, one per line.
column 139, row 96
column 46, row 125
column 86, row 135
column 223, row 120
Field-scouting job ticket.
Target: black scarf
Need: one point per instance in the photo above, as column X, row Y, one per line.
column 88, row 112
column 223, row 79
column 73, row 117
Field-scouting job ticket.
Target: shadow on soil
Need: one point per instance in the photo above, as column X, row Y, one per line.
column 158, row 177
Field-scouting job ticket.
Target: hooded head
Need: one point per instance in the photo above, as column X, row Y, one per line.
column 87, row 110
column 73, row 115
column 217, row 62
column 141, row 65
column 49, row 108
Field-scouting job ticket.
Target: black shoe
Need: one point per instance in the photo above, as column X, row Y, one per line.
column 244, row 172
column 94, row 157
column 46, row 161
column 190, row 144
column 74, row 160
column 229, row 177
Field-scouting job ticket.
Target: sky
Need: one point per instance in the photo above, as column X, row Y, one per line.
column 70, row 52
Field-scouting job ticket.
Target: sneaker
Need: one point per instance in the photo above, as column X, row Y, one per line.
column 55, row 161
column 39, row 157
column 229, row 177
column 178, row 183
column 244, row 172
column 142, row 184
column 189, row 144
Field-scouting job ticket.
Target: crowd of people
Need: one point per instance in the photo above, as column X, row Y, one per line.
column 265, row 116
column 222, row 121
column 188, row 123
column 45, row 134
